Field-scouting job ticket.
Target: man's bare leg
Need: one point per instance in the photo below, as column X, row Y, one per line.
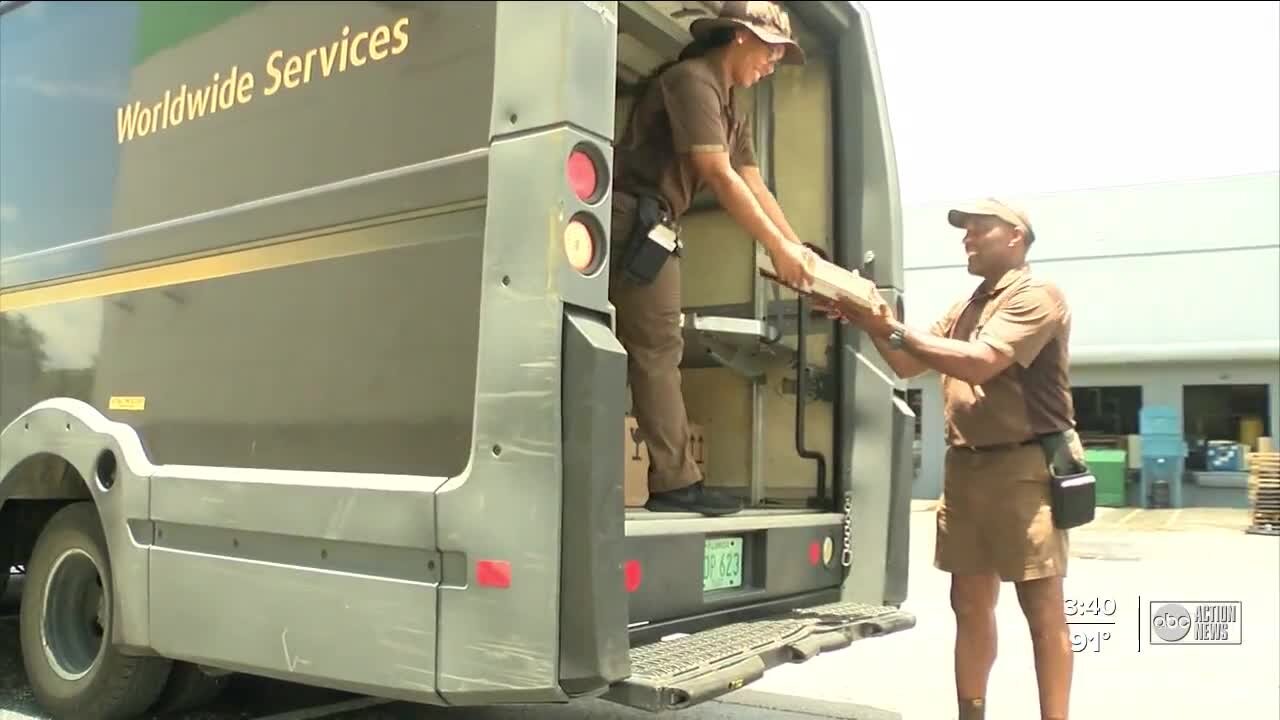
column 973, row 598
column 1042, row 603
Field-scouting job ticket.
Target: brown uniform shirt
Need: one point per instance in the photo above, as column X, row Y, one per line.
column 1028, row 319
column 685, row 110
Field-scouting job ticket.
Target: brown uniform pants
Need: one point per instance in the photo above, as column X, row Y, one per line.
column 649, row 329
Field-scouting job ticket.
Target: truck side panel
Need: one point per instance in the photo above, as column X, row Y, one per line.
column 259, row 357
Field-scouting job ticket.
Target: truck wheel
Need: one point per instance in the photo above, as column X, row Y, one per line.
column 65, row 625
column 189, row 688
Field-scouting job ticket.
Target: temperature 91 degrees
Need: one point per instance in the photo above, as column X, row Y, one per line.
column 1088, row 639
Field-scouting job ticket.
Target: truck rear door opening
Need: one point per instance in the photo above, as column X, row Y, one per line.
column 770, row 391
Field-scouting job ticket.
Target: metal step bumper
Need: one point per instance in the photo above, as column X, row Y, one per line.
column 690, row 669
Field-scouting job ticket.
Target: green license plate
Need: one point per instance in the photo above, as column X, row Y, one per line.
column 722, row 564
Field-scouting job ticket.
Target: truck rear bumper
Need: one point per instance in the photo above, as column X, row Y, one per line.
column 781, row 555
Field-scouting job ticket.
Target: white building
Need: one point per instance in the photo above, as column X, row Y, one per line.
column 1175, row 294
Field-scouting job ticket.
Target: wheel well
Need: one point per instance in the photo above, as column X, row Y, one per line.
column 35, row 489
column 21, row 522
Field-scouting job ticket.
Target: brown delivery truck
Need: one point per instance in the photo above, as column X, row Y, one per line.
column 308, row 368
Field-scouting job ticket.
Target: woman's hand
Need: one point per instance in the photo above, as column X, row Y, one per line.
column 793, row 264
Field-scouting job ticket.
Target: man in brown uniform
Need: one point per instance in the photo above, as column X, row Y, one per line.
column 1002, row 353
column 688, row 131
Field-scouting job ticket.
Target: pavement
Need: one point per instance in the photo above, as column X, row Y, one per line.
column 1123, row 562
column 1127, row 558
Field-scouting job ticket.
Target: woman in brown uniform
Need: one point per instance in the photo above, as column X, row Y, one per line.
column 687, row 132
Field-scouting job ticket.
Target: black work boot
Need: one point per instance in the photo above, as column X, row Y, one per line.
column 696, row 498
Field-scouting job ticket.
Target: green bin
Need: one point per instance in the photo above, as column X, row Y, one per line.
column 1109, row 469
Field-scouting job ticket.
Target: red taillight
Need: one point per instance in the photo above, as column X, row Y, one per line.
column 815, row 553
column 583, row 175
column 580, row 245
column 633, row 574
column 493, row 573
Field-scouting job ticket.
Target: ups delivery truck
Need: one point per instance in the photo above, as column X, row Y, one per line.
column 309, row 370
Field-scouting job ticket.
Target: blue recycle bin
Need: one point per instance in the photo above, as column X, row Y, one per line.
column 1163, row 446
column 1160, row 484
column 1159, row 420
column 1164, row 452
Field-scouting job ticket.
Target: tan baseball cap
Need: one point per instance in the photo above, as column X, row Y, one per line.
column 767, row 20
column 1007, row 212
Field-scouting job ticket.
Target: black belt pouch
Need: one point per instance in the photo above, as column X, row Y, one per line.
column 1072, row 486
column 645, row 255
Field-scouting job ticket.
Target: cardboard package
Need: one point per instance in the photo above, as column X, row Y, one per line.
column 635, row 487
column 830, row 281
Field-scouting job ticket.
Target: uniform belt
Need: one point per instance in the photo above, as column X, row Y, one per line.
column 998, row 446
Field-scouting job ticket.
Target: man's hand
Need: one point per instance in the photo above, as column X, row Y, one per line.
column 856, row 314
column 877, row 323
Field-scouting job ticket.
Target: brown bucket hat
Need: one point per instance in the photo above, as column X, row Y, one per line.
column 767, row 20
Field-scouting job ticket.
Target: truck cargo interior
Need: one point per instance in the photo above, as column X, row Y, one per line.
column 740, row 379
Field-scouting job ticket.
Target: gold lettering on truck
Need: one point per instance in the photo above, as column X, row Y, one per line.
column 237, row 88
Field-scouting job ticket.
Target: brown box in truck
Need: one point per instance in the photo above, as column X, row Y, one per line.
column 635, row 488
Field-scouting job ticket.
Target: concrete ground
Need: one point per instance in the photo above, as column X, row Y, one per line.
column 1126, row 557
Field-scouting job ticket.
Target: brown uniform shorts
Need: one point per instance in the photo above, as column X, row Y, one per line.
column 995, row 516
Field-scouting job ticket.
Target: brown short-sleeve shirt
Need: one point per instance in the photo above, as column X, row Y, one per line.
column 1028, row 319
column 686, row 109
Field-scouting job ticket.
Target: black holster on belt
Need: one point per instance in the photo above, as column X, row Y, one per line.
column 1072, row 486
column 654, row 238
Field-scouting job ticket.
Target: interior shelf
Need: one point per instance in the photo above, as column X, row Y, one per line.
column 747, row 345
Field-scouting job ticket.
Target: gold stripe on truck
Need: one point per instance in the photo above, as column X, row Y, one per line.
column 342, row 243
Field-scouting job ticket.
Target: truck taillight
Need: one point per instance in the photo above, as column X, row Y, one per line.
column 633, row 575
column 580, row 245
column 584, row 175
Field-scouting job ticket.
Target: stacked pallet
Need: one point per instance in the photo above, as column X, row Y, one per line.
column 1264, row 493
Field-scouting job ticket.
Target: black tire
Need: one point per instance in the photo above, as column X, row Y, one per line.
column 81, row 676
column 189, row 688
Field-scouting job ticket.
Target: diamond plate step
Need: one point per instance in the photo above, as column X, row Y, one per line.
column 690, row 669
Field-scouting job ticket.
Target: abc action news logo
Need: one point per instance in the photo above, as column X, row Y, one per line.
column 1194, row 623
